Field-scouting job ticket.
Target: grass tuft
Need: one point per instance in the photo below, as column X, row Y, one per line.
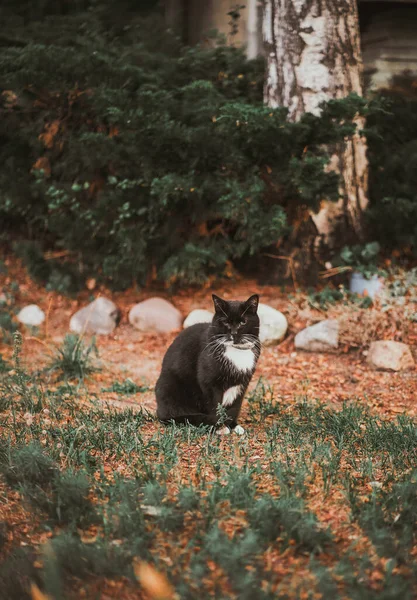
column 74, row 358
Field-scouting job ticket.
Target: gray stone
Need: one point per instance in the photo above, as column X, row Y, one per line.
column 99, row 317
column 390, row 356
column 199, row 315
column 321, row 337
column 31, row 315
column 273, row 325
column 155, row 314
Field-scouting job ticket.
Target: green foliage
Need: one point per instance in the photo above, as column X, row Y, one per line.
column 126, row 387
column 288, row 516
column 55, row 275
column 4, row 365
column 73, row 359
column 70, row 501
column 237, row 507
column 328, row 296
column 17, row 572
column 163, row 155
column 17, row 388
column 362, row 258
column 391, row 132
column 28, row 465
column 7, row 300
column 7, row 325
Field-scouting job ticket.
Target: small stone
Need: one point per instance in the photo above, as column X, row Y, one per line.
column 99, row 317
column 273, row 325
column 239, row 430
column 390, row 356
column 376, row 485
column 31, row 315
column 155, row 314
column 321, row 337
column 199, row 315
column 223, row 431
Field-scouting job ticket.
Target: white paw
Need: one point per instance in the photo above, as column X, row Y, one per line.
column 239, row 430
column 223, row 431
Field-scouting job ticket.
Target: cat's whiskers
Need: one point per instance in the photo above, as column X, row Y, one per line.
column 253, row 339
column 215, row 345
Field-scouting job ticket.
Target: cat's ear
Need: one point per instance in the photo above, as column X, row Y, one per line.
column 251, row 304
column 220, row 305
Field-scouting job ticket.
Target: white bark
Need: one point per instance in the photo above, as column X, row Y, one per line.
column 313, row 52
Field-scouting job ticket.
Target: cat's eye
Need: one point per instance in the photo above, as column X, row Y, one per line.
column 243, row 322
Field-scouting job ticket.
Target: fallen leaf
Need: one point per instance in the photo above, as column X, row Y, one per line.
column 42, row 164
column 91, row 283
column 37, row 594
column 153, row 582
column 51, row 129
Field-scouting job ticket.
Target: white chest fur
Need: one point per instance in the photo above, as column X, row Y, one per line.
column 242, row 360
column 230, row 395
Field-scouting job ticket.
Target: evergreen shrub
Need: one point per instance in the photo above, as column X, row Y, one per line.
column 392, row 151
column 132, row 158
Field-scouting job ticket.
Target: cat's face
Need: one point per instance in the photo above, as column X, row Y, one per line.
column 236, row 323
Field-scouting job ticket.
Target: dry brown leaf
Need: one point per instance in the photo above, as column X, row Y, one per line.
column 10, row 98
column 87, row 537
column 42, row 164
column 51, row 129
column 155, row 584
column 91, row 283
column 37, row 594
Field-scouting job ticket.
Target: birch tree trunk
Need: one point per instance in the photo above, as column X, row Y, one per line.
column 313, row 53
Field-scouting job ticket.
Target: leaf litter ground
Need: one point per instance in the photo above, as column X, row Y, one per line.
column 98, row 500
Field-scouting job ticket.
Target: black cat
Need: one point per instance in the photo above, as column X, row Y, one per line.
column 211, row 364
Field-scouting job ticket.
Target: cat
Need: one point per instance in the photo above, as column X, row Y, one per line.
column 211, row 364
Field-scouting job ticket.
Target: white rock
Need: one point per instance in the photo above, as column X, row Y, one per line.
column 155, row 314
column 199, row 315
column 239, row 430
column 390, row 356
column 273, row 325
column 223, row 431
column 375, row 485
column 31, row 315
column 99, row 317
column 321, row 337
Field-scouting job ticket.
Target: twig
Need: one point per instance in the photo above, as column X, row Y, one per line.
column 334, row 271
column 47, row 315
column 58, row 254
column 291, row 264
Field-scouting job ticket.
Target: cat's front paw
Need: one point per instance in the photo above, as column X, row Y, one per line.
column 239, row 430
column 223, row 431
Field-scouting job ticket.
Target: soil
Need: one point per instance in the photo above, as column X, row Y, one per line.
column 129, row 353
